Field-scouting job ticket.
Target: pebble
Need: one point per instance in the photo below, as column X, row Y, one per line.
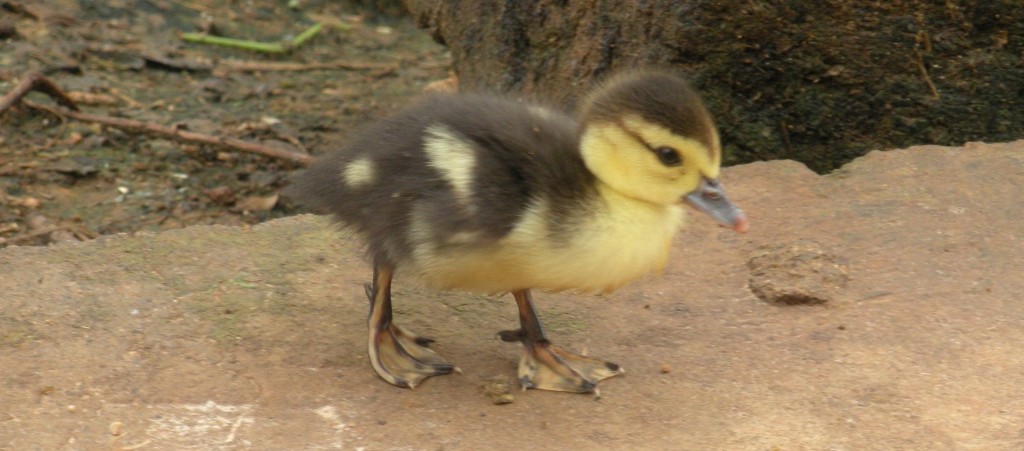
column 507, row 398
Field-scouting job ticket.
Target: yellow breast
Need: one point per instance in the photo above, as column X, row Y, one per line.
column 621, row 240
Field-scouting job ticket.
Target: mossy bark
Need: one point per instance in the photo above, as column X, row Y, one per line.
column 821, row 82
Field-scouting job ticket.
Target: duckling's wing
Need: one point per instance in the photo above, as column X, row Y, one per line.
column 451, row 171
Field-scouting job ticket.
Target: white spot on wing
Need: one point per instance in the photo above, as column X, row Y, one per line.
column 454, row 158
column 359, row 172
column 542, row 113
column 464, row 237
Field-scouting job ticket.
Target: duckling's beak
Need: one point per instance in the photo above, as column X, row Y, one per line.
column 709, row 197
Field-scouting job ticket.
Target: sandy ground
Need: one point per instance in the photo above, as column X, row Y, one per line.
column 254, row 338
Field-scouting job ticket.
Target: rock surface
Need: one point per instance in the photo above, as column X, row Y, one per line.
column 229, row 338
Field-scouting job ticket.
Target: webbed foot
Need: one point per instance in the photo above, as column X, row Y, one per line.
column 547, row 366
column 398, row 356
column 550, row 367
column 403, row 359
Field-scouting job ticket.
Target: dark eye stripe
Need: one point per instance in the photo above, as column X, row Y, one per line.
column 668, row 156
column 672, row 161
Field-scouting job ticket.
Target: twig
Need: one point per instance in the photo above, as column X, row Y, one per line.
column 38, row 82
column 176, row 133
column 18, row 8
column 223, row 66
column 35, row 81
column 125, row 98
column 256, row 46
column 785, row 136
column 924, row 74
column 269, row 66
column 923, row 38
column 306, row 35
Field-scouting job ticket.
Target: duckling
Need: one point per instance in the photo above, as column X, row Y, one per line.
column 482, row 193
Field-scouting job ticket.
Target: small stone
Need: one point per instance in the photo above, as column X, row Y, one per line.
column 256, row 203
column 220, row 194
column 798, row 273
column 72, row 408
column 665, row 368
column 116, row 428
column 499, row 391
column 448, row 85
column 78, row 166
column 264, row 179
column 507, row 398
column 75, row 138
column 27, row 202
column 7, row 30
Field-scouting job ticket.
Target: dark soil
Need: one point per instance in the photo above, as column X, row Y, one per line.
column 62, row 179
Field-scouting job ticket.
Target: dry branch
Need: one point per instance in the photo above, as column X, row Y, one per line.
column 176, row 133
column 38, row 82
column 270, row 66
column 233, row 65
column 35, row 81
column 924, row 74
column 18, row 8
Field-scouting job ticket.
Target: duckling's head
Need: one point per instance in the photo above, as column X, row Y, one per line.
column 647, row 135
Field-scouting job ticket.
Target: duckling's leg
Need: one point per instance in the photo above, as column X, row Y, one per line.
column 399, row 356
column 549, row 367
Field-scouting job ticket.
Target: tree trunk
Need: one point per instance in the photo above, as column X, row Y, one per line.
column 817, row 81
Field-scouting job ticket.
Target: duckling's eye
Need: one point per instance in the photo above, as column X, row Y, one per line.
column 668, row 156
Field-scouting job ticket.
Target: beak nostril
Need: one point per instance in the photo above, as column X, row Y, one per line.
column 711, row 195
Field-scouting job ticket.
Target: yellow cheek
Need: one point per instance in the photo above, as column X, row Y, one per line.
column 628, row 166
column 695, row 154
column 602, row 150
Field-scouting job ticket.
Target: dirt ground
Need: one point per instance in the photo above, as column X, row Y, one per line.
column 254, row 338
column 62, row 179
